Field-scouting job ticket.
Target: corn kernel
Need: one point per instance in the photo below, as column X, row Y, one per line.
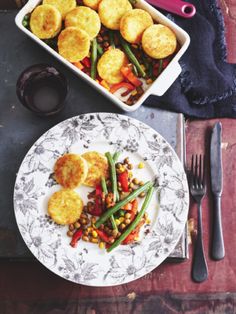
column 134, row 92
column 122, row 219
column 101, row 245
column 148, row 221
column 141, row 165
column 136, row 238
column 94, row 234
column 117, row 222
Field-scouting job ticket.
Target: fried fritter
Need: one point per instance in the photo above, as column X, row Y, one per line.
column 45, row 21
column 111, row 12
column 73, row 44
column 64, row 6
column 65, row 207
column 110, row 64
column 85, row 19
column 70, row 171
column 133, row 24
column 97, row 167
column 159, row 41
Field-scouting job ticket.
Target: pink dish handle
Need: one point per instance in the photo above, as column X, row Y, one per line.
column 178, row 7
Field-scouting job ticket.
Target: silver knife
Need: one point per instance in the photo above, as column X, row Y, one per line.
column 218, row 250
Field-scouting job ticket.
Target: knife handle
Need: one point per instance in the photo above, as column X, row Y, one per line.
column 218, row 249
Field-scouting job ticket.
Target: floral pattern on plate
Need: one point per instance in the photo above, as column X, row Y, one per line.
column 87, row 264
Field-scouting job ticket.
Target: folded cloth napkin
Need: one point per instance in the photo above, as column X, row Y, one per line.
column 206, row 87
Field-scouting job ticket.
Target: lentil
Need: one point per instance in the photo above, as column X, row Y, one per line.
column 126, row 160
column 127, row 221
column 142, row 194
column 77, row 225
column 93, row 220
column 122, row 226
column 85, row 238
column 128, row 215
column 70, row 233
column 71, row 227
column 135, row 181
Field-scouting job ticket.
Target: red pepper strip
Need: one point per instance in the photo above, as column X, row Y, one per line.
column 134, row 234
column 103, row 236
column 123, row 178
column 98, row 210
column 134, row 209
column 130, row 76
column 76, row 236
column 98, row 190
column 86, row 62
column 117, row 86
column 165, row 63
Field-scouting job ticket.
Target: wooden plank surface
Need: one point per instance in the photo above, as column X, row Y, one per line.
column 169, row 288
column 229, row 11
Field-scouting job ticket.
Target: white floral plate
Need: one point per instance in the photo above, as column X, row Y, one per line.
column 87, row 264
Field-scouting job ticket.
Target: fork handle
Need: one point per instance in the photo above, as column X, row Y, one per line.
column 199, row 270
column 218, row 249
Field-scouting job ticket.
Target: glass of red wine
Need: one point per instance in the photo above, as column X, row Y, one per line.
column 42, row 89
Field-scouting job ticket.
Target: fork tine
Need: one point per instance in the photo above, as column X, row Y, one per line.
column 204, row 171
column 196, row 171
column 192, row 170
column 200, row 171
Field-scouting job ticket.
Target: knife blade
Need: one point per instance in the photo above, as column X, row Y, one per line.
column 218, row 250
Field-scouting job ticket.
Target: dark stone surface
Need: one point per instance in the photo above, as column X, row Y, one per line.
column 19, row 128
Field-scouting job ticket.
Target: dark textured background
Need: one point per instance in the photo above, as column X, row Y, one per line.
column 19, row 128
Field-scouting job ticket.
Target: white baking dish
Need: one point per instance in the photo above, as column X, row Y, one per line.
column 158, row 87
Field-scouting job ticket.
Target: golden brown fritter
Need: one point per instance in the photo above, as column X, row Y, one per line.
column 97, row 167
column 65, row 207
column 159, row 41
column 70, row 171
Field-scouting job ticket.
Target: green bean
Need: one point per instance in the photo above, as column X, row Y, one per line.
column 135, row 70
column 111, row 39
column 113, row 223
column 116, row 156
column 160, row 66
column 104, row 185
column 100, row 50
column 122, row 203
column 104, row 188
column 113, row 175
column 131, row 56
column 135, row 222
column 94, row 59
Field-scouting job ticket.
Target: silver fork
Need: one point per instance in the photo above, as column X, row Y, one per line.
column 198, row 191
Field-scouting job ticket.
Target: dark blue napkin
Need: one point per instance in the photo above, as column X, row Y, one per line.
column 206, row 87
